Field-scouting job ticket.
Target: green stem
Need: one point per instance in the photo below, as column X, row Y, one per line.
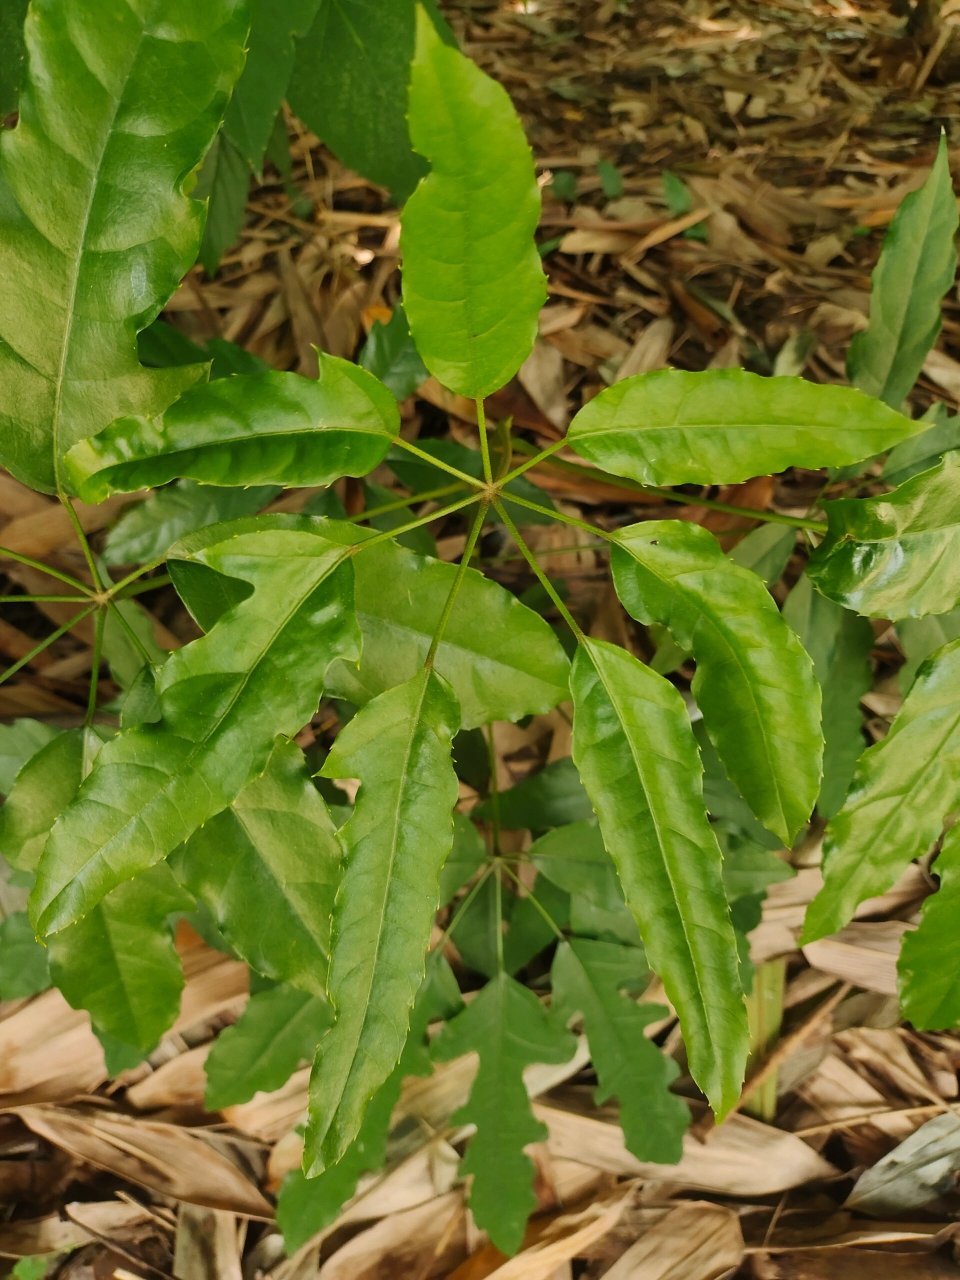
column 462, row 908
column 46, row 643
column 498, row 871
column 95, row 666
column 538, row 905
column 84, row 544
column 140, row 588
column 415, row 524
column 451, row 600
column 30, row 563
column 131, row 634
column 538, row 573
column 437, row 462
column 385, row 508
column 484, row 442
column 508, row 557
column 117, row 587
column 42, row 599
column 593, row 529
column 534, row 461
column 493, row 795
column 668, row 495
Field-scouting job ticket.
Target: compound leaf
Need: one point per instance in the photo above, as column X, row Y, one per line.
column 396, row 842
column 82, row 272
column 902, row 790
column 840, row 644
column 929, row 964
column 119, row 962
column 754, row 682
column 263, row 428
column 916, row 268
column 507, row 1026
column 502, row 659
column 897, row 555
column 473, row 285
column 637, row 757
column 277, row 1031
column 724, row 425
column 222, row 701
column 590, row 978
column 267, row 870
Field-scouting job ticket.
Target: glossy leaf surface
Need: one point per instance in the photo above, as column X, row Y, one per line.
column 724, row 425
column 472, row 281
column 508, row 1027
column 754, row 682
column 501, row 659
column 916, row 268
column 277, row 1031
column 902, row 790
column 839, row 644
column 929, row 965
column 223, row 699
column 119, row 962
column 267, row 869
column 148, row 530
column 898, row 555
column 80, row 274
column 263, row 428
column 638, row 760
column 591, row 978
column 396, row 842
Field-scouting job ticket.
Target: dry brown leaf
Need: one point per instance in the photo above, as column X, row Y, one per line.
column 56, row 1233
column 694, row 1241
column 208, row 1245
column 565, row 1238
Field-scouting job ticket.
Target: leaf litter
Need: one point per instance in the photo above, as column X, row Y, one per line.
column 717, row 176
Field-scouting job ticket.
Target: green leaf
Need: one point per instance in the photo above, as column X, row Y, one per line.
column 507, row 1026
column 265, row 428
column 916, row 268
column 223, row 182
column 903, row 788
column 12, row 14
column 920, row 637
column 148, row 530
column 418, row 475
column 840, row 645
column 391, row 355
column 766, row 551
column 551, row 797
column 898, row 555
column 502, row 660
column 81, row 273
column 929, row 965
column 267, row 869
column 530, row 932
column 262, row 86
column 754, row 682
column 119, row 962
column 396, row 842
column 473, row 285
column 349, row 85
column 19, row 741
column 124, row 657
column 590, row 978
column 44, row 787
column 638, row 760
column 725, row 425
column 466, row 857
column 24, row 970
column 223, row 699
column 277, row 1031
column 922, row 451
column 575, row 858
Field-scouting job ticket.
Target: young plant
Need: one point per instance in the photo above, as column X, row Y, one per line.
column 200, row 801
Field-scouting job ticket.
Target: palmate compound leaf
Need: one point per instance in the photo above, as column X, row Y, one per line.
column 82, row 272
column 754, row 682
column 258, row 428
column 725, row 425
column 509, row 1029
column 897, row 555
column 502, row 660
column 637, row 756
column 929, row 964
column 222, row 701
column 277, row 1031
column 916, row 268
column 395, row 842
column 473, row 285
column 902, row 790
column 590, row 978
column 267, row 870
